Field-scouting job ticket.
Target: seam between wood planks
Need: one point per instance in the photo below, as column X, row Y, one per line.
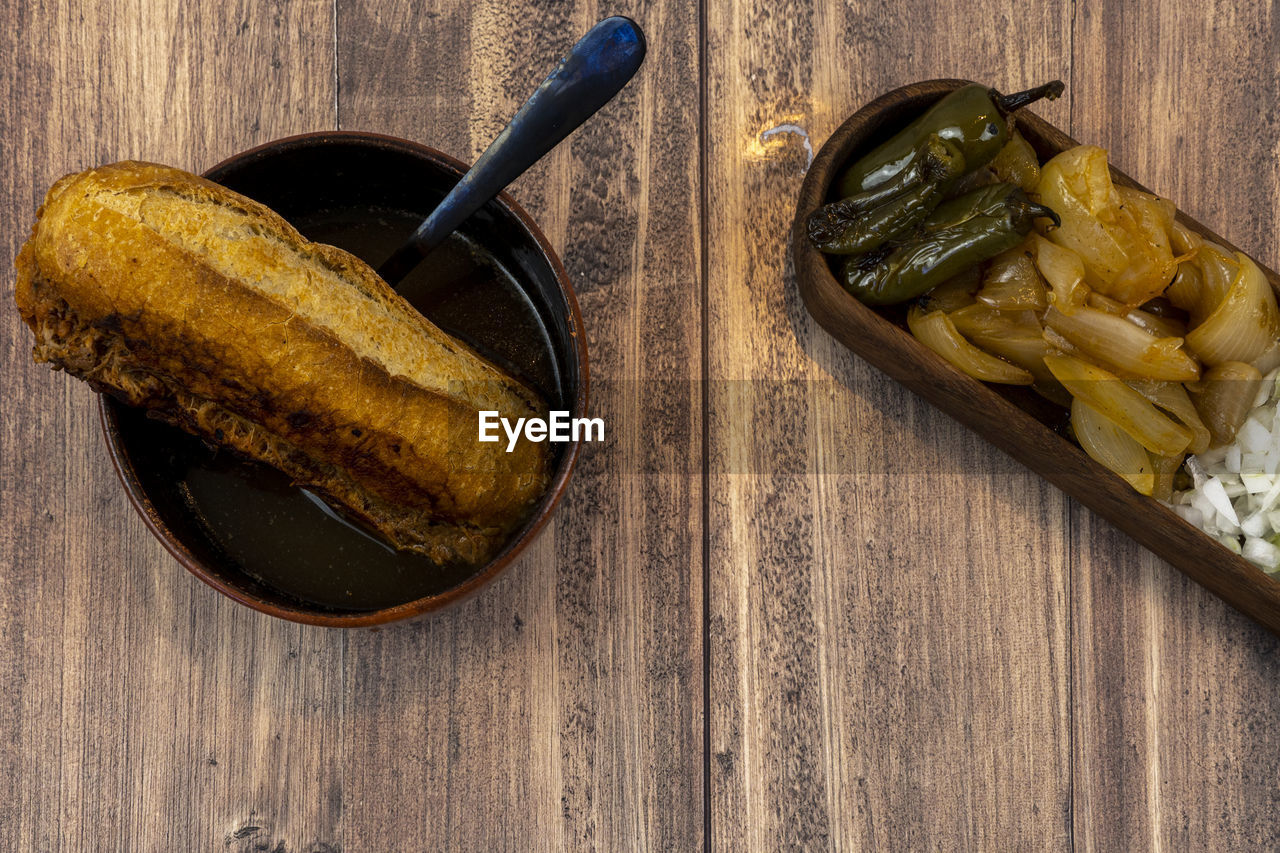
column 704, row 267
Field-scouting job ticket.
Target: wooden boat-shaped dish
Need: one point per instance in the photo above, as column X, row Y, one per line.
column 1016, row 420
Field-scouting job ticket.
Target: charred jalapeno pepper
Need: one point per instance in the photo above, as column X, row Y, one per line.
column 837, row 233
column 983, row 201
column 862, row 222
column 937, row 159
column 959, row 234
column 973, row 117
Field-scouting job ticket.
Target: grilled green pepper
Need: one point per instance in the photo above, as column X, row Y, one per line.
column 972, row 116
column 936, row 159
column 864, row 221
column 959, row 234
column 837, row 233
column 983, row 201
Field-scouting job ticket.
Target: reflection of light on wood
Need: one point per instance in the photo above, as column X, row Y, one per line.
column 768, row 141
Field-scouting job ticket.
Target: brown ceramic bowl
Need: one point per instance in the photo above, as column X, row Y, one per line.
column 1016, row 420
column 241, row 527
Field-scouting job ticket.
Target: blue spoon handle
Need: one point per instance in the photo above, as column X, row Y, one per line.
column 595, row 70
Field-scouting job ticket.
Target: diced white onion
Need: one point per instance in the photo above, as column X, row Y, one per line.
column 1235, row 496
column 1191, row 515
column 1196, row 468
column 1217, row 496
column 1272, row 497
column 1255, row 526
column 1253, row 436
column 1255, row 482
column 1262, row 552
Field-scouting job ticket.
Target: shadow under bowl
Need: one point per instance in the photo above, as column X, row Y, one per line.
column 242, row 527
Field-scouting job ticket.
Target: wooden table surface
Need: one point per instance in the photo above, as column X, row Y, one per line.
column 785, row 606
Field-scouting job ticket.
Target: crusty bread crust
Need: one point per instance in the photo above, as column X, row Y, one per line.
column 210, row 310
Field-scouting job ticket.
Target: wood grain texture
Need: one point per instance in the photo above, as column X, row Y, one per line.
column 142, row 711
column 914, row 643
column 1177, row 723
column 560, row 709
column 888, row 596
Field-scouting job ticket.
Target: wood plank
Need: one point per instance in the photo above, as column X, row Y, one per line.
column 1177, row 725
column 888, row 595
column 560, row 709
column 143, row 711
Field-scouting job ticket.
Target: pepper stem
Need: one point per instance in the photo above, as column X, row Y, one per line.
column 1008, row 103
column 1039, row 211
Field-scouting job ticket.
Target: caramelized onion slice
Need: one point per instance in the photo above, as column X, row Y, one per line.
column 1017, row 163
column 1145, row 221
column 980, row 318
column 1015, row 336
column 1076, row 184
column 1183, row 240
column 954, row 293
column 1187, row 285
column 1224, row 397
column 1123, row 346
column 1172, row 397
column 1119, row 403
column 1218, row 269
column 1152, row 324
column 1244, row 325
column 1269, row 360
column 1161, row 212
column 1064, row 271
column 1165, row 468
column 936, row 331
column 1112, row 447
column 1106, row 303
column 1121, row 236
column 1012, row 282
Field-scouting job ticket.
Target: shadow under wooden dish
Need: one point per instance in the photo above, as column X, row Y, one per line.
column 1017, row 420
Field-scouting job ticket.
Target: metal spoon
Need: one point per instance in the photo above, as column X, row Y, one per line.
column 586, row 79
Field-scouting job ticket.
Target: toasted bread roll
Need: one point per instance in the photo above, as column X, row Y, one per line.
column 173, row 293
